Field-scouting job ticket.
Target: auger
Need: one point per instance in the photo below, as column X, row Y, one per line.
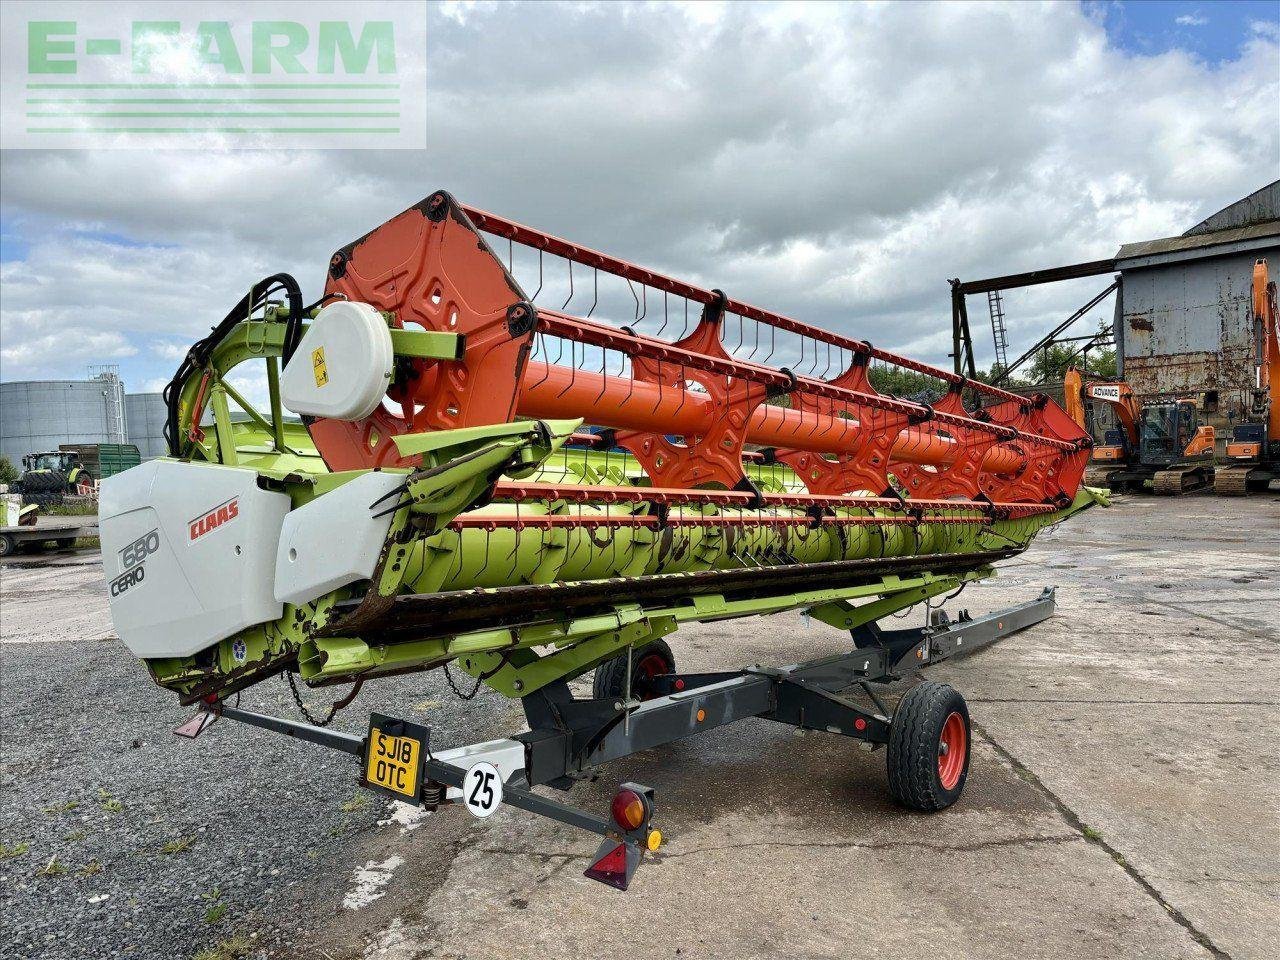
column 529, row 486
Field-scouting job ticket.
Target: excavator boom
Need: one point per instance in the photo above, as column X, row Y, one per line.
column 1253, row 453
column 1267, row 318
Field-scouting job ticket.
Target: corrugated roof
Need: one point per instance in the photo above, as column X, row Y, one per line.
column 1257, row 207
column 1148, row 248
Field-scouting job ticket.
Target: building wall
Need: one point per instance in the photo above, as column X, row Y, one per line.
column 1187, row 329
column 146, row 414
column 38, row 415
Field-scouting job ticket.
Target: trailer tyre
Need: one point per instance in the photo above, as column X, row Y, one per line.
column 647, row 662
column 929, row 746
column 7, row 545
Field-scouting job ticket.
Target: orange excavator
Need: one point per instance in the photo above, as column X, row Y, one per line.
column 1253, row 454
column 1161, row 443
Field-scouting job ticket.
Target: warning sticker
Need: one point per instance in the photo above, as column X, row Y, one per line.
column 318, row 367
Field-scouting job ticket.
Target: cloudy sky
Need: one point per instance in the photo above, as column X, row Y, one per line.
column 837, row 163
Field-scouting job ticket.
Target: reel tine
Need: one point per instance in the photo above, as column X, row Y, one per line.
column 631, row 378
column 573, row 367
column 540, row 347
column 568, row 299
column 738, row 345
column 631, row 287
column 515, row 535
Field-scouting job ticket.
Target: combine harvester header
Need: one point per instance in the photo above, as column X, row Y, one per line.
column 441, row 505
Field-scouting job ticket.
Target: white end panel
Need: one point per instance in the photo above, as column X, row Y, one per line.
column 342, row 366
column 189, row 552
column 335, row 539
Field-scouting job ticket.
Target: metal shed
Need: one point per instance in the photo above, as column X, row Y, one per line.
column 1183, row 323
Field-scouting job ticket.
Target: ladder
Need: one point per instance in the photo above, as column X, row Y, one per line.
column 999, row 335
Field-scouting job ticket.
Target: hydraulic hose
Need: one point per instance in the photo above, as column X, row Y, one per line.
column 202, row 350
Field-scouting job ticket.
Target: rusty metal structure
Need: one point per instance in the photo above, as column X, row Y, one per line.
column 1183, row 324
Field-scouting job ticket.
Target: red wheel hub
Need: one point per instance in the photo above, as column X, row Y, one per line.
column 648, row 667
column 953, row 747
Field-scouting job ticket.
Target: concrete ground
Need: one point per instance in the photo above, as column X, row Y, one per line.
column 1122, row 800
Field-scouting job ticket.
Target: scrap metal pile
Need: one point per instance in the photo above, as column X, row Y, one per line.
column 441, row 500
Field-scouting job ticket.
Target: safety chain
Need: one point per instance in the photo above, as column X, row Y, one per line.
column 333, row 709
column 454, row 687
column 502, row 662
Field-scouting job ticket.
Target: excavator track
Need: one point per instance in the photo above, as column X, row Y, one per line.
column 1243, row 480
column 1098, row 476
column 1174, row 483
column 1231, row 481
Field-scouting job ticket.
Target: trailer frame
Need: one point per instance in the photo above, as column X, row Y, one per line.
column 568, row 737
column 12, row 536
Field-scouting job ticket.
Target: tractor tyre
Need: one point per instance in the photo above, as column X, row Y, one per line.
column 929, row 747
column 38, row 482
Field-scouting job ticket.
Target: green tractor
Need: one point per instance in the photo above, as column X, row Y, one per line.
column 49, row 477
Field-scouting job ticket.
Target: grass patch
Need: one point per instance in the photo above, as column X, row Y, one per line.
column 215, row 913
column 1092, row 834
column 13, row 852
column 109, row 803
column 233, row 948
column 89, row 869
column 62, row 807
column 74, row 836
column 177, row 846
column 358, row 801
column 81, row 509
column 54, row 868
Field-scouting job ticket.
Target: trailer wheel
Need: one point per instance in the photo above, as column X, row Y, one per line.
column 652, row 660
column 7, row 545
column 929, row 745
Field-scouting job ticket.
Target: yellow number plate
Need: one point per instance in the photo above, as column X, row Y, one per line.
column 393, row 763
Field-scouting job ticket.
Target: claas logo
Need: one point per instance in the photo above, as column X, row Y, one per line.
column 222, row 513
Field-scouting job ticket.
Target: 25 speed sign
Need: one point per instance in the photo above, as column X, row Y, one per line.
column 482, row 789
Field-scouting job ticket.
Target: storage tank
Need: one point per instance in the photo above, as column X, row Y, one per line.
column 146, row 415
column 38, row 415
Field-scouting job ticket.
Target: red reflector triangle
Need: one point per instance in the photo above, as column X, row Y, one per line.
column 611, row 868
